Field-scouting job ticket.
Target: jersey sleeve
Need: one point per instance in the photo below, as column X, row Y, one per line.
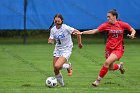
column 102, row 27
column 126, row 26
column 51, row 34
column 69, row 29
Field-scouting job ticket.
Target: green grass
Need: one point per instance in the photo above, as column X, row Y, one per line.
column 24, row 69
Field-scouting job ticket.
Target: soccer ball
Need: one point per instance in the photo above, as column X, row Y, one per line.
column 51, row 82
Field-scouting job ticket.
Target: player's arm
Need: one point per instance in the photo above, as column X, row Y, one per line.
column 133, row 32
column 94, row 31
column 78, row 38
column 51, row 41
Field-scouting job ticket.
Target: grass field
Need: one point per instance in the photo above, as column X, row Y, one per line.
column 24, row 69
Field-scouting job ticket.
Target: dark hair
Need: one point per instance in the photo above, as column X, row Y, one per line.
column 114, row 12
column 59, row 16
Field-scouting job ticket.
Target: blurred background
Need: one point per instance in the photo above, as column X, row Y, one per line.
column 25, row 19
column 26, row 57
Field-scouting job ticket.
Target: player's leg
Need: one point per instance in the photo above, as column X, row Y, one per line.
column 54, row 61
column 70, row 70
column 114, row 66
column 59, row 63
column 119, row 66
column 57, row 72
column 57, row 67
column 67, row 65
column 112, row 58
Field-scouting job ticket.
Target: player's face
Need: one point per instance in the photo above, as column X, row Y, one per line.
column 57, row 21
column 111, row 18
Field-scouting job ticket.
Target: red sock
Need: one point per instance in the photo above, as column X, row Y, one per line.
column 103, row 71
column 116, row 67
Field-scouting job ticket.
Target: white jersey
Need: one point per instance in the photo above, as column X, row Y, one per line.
column 62, row 36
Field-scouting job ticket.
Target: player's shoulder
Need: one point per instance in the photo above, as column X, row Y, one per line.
column 105, row 24
column 53, row 28
column 120, row 22
column 64, row 25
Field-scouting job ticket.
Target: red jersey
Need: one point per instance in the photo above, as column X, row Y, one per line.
column 115, row 33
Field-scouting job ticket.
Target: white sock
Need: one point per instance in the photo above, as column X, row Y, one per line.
column 99, row 78
column 66, row 66
column 119, row 66
column 60, row 80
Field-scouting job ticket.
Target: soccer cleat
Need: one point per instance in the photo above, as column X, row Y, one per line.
column 122, row 70
column 70, row 70
column 60, row 79
column 96, row 83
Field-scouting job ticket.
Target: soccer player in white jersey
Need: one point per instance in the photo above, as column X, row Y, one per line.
column 61, row 35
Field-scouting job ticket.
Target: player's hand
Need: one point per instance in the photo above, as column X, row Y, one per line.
column 77, row 33
column 80, row 45
column 131, row 36
column 50, row 41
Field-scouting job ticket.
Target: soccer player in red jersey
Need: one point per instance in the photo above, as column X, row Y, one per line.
column 114, row 45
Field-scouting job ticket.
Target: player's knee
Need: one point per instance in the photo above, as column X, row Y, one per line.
column 110, row 68
column 106, row 64
column 56, row 67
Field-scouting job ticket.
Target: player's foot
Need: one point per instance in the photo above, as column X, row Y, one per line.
column 96, row 83
column 122, row 70
column 60, row 79
column 70, row 70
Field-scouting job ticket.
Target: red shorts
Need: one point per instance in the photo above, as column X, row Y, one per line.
column 117, row 51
